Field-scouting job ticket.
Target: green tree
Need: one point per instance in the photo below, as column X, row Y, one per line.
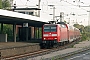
column 85, row 31
column 80, row 27
column 6, row 4
column 0, row 4
column 8, row 29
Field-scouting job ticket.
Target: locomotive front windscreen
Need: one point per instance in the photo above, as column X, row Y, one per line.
column 50, row 28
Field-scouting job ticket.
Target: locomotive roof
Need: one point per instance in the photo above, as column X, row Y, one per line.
column 50, row 24
column 56, row 23
column 61, row 23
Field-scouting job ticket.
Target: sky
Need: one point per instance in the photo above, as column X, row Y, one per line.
column 67, row 6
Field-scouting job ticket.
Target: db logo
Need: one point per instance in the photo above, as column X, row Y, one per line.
column 49, row 34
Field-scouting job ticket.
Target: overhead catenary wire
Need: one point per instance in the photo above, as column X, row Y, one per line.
column 75, row 5
column 69, row 5
column 64, row 5
column 26, row 3
column 22, row 2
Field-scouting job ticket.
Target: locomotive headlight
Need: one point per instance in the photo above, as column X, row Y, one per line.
column 44, row 38
column 45, row 34
column 54, row 34
column 55, row 38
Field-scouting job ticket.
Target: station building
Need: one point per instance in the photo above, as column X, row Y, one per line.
column 26, row 25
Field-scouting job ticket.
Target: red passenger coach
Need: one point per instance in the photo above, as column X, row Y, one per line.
column 71, row 33
column 77, row 33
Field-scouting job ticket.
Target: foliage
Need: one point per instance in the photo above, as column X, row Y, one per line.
column 6, row 4
column 0, row 4
column 8, row 29
column 85, row 31
column 80, row 27
column 39, row 32
column 65, row 21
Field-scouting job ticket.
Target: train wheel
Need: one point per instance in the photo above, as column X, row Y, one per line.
column 47, row 46
column 54, row 46
column 64, row 42
column 67, row 41
column 42, row 45
column 61, row 43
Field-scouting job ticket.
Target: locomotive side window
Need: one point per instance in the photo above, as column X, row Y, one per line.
column 63, row 26
column 50, row 28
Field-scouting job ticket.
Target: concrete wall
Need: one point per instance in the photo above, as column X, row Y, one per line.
column 19, row 50
column 3, row 37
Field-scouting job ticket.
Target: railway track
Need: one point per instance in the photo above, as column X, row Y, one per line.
column 73, row 53
column 40, row 52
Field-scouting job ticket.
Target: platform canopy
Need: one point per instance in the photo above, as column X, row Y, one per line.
column 10, row 17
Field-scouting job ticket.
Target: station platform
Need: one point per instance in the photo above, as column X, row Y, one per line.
column 16, row 48
column 8, row 45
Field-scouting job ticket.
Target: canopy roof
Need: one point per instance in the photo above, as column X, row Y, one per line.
column 10, row 17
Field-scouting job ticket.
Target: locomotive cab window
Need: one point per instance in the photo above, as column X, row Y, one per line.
column 50, row 28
